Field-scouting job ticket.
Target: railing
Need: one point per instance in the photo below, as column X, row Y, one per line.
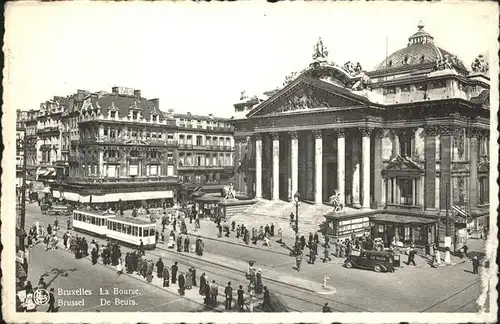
column 98, row 180
column 108, row 140
column 49, row 129
column 112, row 159
column 200, row 167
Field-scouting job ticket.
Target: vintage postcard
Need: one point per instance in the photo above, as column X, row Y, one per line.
column 226, row 162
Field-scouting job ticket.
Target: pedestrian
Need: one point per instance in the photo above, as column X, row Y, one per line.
column 475, row 265
column 266, row 302
column 272, row 229
column 56, row 224
column 280, row 235
column 233, row 224
column 302, row 242
column 119, row 267
column 326, row 308
column 189, row 279
column 316, row 238
column 241, row 299
column 42, row 284
column 411, row 257
column 310, row 240
column 175, row 268
column 258, row 281
column 52, row 301
column 312, row 255
column 68, row 223
column 465, row 249
column 267, row 230
column 159, row 268
column 141, row 246
column 220, row 230
column 181, row 284
column 174, row 224
column 186, row 244
column 179, row 243
column 214, row 291
column 326, row 254
column 238, row 231
column 203, row 282
column 228, row 292
column 298, row 260
column 193, row 272
column 166, row 277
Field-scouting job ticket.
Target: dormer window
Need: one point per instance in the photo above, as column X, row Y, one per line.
column 134, row 115
column 390, row 63
column 112, row 114
column 422, row 59
column 405, row 60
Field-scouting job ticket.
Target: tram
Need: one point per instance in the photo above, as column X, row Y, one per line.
column 132, row 231
column 91, row 222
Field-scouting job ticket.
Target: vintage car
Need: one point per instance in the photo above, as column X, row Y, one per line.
column 377, row 261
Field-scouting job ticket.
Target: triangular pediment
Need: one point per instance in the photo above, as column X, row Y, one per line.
column 403, row 164
column 308, row 94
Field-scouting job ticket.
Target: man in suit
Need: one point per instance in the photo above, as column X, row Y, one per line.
column 214, row 291
column 174, row 272
column 241, row 299
column 229, row 295
column 52, row 301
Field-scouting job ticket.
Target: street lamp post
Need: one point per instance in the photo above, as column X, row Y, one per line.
column 296, row 198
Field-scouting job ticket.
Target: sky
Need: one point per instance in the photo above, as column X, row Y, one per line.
column 198, row 57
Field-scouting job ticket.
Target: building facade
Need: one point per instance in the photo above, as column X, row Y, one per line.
column 106, row 146
column 206, row 151
column 408, row 139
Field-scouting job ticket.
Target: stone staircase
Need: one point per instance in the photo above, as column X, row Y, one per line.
column 236, row 209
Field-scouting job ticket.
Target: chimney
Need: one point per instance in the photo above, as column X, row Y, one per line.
column 80, row 94
column 137, row 94
column 211, row 116
column 114, row 90
column 171, row 111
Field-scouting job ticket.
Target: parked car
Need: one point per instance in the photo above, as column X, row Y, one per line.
column 377, row 261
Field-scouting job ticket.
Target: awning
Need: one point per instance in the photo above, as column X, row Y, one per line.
column 207, row 199
column 399, row 219
column 125, row 196
column 40, row 171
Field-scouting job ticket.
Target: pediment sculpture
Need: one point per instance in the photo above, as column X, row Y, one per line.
column 480, row 65
column 362, row 83
column 302, row 101
column 353, row 68
column 320, row 51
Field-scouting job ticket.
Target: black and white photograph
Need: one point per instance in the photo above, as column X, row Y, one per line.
column 226, row 162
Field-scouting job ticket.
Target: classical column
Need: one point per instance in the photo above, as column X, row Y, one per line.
column 414, row 193
column 318, row 167
column 258, row 166
column 420, row 190
column 101, row 162
column 430, row 168
column 389, row 189
column 310, row 167
column 446, row 132
column 355, row 171
column 341, row 163
column 474, row 135
column 382, row 194
column 294, row 157
column 276, row 166
column 365, row 133
column 378, row 165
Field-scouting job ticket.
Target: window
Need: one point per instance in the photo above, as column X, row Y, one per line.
column 105, row 132
column 405, row 185
column 170, row 136
column 199, row 140
column 134, row 115
column 113, row 114
column 405, row 144
column 134, row 154
column 134, row 231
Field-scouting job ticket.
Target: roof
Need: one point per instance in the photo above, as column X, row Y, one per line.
column 420, row 50
column 123, row 104
column 130, row 220
column 96, row 213
column 199, row 117
column 400, row 219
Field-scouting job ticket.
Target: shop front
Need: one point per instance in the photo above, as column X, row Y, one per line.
column 420, row 231
column 207, row 205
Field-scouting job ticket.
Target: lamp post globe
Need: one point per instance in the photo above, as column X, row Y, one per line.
column 296, row 198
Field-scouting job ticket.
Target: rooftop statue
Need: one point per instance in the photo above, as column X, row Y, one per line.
column 353, row 68
column 320, row 51
column 362, row 82
column 480, row 65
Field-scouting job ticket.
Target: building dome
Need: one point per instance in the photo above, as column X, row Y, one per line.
column 420, row 50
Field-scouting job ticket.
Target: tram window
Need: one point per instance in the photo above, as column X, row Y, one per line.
column 80, row 217
column 129, row 229
column 152, row 231
column 114, row 226
column 92, row 219
column 140, row 231
column 134, row 230
column 118, row 227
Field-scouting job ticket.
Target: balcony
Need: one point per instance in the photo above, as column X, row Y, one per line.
column 112, row 159
column 48, row 130
column 154, row 160
column 104, row 181
column 200, row 167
